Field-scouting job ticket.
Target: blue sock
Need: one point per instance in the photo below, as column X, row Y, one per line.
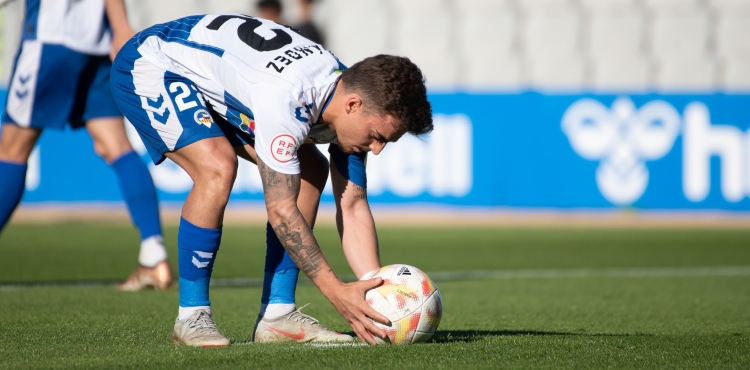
column 139, row 193
column 196, row 253
column 280, row 278
column 12, row 180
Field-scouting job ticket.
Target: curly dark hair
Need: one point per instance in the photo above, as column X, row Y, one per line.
column 392, row 85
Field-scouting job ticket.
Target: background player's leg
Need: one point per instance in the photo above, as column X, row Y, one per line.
column 212, row 164
column 280, row 273
column 16, row 144
column 109, row 136
column 111, row 143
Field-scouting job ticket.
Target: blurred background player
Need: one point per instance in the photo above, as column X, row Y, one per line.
column 61, row 75
column 274, row 9
column 306, row 27
column 270, row 9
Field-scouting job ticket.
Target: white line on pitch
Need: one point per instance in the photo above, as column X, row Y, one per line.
column 643, row 272
column 335, row 345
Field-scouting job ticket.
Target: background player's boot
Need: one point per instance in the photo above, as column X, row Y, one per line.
column 160, row 277
column 198, row 330
column 295, row 327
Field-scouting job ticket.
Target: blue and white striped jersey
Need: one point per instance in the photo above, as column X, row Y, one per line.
column 79, row 25
column 252, row 72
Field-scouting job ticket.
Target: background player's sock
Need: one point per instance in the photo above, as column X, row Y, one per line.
column 12, row 180
column 152, row 251
column 139, row 193
column 197, row 248
column 279, row 280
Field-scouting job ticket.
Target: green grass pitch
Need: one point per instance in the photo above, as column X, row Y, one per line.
column 591, row 299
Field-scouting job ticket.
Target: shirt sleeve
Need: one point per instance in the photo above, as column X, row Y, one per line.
column 352, row 165
column 281, row 126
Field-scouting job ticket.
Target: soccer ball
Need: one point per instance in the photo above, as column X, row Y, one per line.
column 409, row 299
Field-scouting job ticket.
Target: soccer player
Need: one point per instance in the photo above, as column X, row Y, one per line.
column 202, row 90
column 61, row 74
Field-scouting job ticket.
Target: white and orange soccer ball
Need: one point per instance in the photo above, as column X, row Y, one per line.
column 409, row 299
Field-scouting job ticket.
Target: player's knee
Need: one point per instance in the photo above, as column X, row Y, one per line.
column 14, row 154
column 219, row 173
column 16, row 143
column 100, row 150
column 111, row 151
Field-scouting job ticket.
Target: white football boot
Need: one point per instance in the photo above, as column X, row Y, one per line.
column 198, row 330
column 295, row 327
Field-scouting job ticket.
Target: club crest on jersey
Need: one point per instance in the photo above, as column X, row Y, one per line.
column 299, row 113
column 202, row 117
column 283, row 148
column 248, row 124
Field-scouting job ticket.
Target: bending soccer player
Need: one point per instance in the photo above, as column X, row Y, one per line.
column 202, row 90
column 61, row 75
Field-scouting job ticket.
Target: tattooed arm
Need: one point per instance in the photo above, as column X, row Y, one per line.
column 281, row 191
column 355, row 224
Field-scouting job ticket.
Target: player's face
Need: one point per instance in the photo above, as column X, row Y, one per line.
column 367, row 133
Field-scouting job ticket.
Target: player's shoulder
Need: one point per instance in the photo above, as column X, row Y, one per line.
column 275, row 48
column 303, row 87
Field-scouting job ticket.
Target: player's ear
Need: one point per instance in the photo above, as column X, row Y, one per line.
column 353, row 104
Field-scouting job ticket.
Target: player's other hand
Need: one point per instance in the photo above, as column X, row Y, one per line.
column 349, row 300
column 118, row 40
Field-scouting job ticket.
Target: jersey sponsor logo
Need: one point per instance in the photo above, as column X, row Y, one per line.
column 283, row 148
column 248, row 124
column 202, row 117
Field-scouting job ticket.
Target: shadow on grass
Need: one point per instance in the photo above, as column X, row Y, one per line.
column 454, row 336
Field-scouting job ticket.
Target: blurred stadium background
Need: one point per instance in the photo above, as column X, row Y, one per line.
column 540, row 105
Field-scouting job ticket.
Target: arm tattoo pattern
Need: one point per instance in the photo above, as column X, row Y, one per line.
column 272, row 178
column 294, row 234
column 308, row 256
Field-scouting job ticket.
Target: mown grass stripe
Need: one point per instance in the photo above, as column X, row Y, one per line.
column 643, row 272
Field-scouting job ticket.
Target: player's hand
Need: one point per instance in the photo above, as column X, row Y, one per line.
column 349, row 300
column 118, row 40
